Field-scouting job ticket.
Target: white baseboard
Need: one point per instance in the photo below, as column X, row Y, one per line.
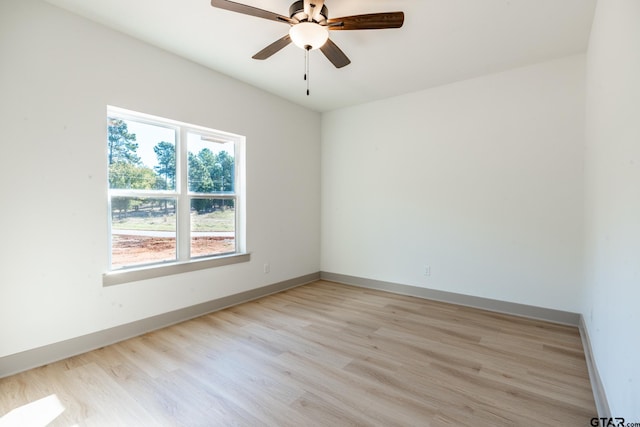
column 599, row 395
column 522, row 310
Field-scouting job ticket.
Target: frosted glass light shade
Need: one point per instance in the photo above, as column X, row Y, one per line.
column 308, row 34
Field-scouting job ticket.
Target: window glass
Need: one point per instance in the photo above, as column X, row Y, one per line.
column 213, row 226
column 172, row 190
column 143, row 230
column 141, row 156
column 211, row 164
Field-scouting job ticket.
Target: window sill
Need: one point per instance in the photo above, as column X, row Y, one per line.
column 150, row 272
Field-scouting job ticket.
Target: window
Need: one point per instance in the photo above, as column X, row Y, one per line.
column 174, row 191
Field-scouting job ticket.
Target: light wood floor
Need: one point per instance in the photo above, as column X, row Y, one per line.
column 325, row 354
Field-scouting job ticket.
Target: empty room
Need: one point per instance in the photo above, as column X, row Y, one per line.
column 291, row 213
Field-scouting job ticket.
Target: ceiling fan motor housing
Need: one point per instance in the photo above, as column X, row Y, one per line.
column 296, row 11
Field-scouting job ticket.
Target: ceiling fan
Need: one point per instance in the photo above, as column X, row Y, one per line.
column 309, row 22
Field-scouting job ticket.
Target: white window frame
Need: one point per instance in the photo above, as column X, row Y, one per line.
column 184, row 261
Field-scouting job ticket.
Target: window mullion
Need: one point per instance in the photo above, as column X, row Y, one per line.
column 184, row 201
column 239, row 192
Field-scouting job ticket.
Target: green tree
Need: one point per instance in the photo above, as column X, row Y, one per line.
column 208, row 161
column 225, row 178
column 199, row 182
column 166, row 154
column 122, row 144
column 126, row 175
column 223, row 175
column 207, row 158
column 125, row 167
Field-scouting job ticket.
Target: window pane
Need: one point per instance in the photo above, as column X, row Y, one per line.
column 143, row 230
column 210, row 164
column 141, row 156
column 213, row 227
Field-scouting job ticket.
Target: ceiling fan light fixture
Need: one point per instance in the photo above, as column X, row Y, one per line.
column 308, row 34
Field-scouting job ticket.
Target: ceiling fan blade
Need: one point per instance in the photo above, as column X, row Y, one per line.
column 273, row 48
column 250, row 10
column 334, row 54
column 373, row 21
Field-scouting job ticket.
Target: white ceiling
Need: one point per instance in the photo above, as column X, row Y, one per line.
column 442, row 41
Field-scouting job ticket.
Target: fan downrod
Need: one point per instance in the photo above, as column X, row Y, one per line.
column 296, row 11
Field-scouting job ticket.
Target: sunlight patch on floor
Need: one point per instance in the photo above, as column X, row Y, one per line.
column 35, row 414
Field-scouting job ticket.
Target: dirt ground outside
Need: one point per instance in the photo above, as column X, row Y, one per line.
column 131, row 250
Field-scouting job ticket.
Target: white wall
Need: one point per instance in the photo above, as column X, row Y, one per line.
column 58, row 72
column 612, row 244
column 481, row 179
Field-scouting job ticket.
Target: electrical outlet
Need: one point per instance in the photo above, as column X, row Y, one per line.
column 427, row 270
column 267, row 268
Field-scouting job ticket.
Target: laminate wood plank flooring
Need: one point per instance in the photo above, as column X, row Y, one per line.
column 322, row 354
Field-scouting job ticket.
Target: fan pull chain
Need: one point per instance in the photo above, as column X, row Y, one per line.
column 307, row 48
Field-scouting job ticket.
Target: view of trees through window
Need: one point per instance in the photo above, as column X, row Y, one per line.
column 144, row 180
